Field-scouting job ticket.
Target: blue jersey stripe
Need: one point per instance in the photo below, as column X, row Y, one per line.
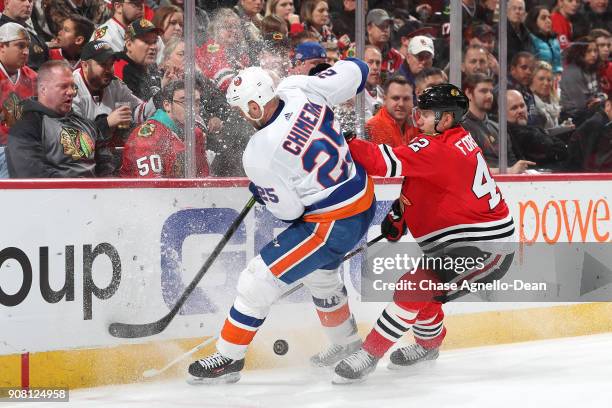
column 244, row 319
column 345, row 192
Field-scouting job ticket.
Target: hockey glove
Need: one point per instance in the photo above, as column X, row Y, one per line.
column 256, row 196
column 393, row 226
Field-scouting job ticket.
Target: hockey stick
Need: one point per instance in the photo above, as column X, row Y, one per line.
column 130, row 331
column 155, row 372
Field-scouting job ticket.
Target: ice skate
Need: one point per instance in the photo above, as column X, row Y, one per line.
column 355, row 368
column 215, row 369
column 408, row 356
column 334, row 353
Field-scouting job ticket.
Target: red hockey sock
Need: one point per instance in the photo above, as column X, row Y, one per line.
column 392, row 324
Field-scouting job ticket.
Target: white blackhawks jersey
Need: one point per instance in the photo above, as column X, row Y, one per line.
column 113, row 32
column 85, row 105
column 300, row 161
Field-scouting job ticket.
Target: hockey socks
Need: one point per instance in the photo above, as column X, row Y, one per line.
column 238, row 332
column 392, row 324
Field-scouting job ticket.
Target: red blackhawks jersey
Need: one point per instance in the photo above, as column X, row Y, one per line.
column 11, row 96
column 447, row 192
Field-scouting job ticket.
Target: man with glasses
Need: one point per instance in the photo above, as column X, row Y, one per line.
column 50, row 140
column 157, row 147
column 113, row 31
column 17, row 81
column 419, row 55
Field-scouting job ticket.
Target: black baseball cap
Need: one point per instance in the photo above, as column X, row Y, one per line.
column 141, row 27
column 100, row 51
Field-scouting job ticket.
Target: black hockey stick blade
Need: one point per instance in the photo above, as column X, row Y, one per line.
column 132, row 331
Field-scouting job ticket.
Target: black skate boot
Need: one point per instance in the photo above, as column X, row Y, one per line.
column 334, row 353
column 215, row 369
column 413, row 354
column 355, row 368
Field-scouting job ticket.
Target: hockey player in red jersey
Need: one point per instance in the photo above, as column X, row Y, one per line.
column 452, row 207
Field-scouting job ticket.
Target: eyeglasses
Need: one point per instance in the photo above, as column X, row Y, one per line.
column 182, row 103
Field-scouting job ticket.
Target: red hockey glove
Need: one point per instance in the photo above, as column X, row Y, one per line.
column 393, row 226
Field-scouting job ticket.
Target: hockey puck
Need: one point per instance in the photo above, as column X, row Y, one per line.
column 281, row 347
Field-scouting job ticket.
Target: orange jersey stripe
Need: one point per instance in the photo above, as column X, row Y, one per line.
column 236, row 335
column 335, row 318
column 298, row 254
column 347, row 211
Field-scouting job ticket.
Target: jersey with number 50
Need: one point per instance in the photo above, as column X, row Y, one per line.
column 448, row 192
column 299, row 160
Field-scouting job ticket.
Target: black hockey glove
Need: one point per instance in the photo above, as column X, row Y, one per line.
column 393, row 226
column 256, row 196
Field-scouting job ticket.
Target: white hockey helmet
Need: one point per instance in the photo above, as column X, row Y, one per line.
column 251, row 84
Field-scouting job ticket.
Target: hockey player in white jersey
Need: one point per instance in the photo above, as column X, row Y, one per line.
column 299, row 167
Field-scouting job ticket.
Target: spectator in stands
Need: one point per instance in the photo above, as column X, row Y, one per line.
column 595, row 14
column 19, row 11
column 603, row 41
column 379, row 33
column 315, row 16
column 479, row 90
column 169, row 21
column 50, row 140
column 518, row 34
column 113, row 30
column 99, row 93
column 274, row 55
column 474, row 61
column 561, row 21
column 274, row 24
column 225, row 52
column 72, row 37
column 157, row 147
column 592, row 142
column 428, row 77
column 374, row 92
column 392, row 125
column 482, row 35
column 531, row 142
column 201, row 16
column 521, row 72
column 57, row 11
column 579, row 85
column 284, row 10
column 546, row 100
column 17, row 81
column 307, row 56
column 248, row 11
column 343, row 22
column 419, row 55
column 332, row 53
column 137, row 66
column 545, row 43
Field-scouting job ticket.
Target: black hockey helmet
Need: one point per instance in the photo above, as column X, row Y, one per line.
column 445, row 98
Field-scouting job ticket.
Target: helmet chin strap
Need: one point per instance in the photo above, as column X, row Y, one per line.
column 256, row 120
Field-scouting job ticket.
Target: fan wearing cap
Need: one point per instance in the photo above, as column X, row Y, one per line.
column 20, row 11
column 99, row 91
column 419, row 55
column 379, row 25
column 17, row 80
column 137, row 66
column 307, row 56
column 113, row 30
column 447, row 190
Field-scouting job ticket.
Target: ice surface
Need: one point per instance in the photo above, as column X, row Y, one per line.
column 570, row 372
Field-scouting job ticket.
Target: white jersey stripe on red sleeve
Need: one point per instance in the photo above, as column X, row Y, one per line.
column 398, row 162
column 390, row 160
column 386, row 158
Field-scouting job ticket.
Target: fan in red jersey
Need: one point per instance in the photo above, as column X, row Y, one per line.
column 453, row 208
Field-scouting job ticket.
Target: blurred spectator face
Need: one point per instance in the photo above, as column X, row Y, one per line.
column 398, row 101
column 143, row 50
column 284, row 8
column 132, row 10
column 332, row 56
column 349, row 5
column 57, row 92
column 173, row 26
column 177, row 58
column 419, row 62
column 373, row 58
column 320, row 14
column 99, row 75
column 517, row 110
column 523, row 71
column 608, row 108
column 475, row 60
column 541, row 84
column 252, row 7
column 14, row 54
column 603, row 46
column 429, row 81
column 379, row 34
column 67, row 37
column 544, row 22
column 487, row 42
column 569, row 7
column 20, row 10
column 516, row 11
column 176, row 107
column 229, row 33
column 481, row 97
column 591, row 55
column 598, row 6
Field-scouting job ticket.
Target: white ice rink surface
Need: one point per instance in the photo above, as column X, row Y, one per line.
column 572, row 372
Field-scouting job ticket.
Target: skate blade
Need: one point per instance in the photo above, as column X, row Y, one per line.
column 398, row 367
column 339, row 380
column 230, row 378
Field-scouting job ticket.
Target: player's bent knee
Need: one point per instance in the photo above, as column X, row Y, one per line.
column 258, row 288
